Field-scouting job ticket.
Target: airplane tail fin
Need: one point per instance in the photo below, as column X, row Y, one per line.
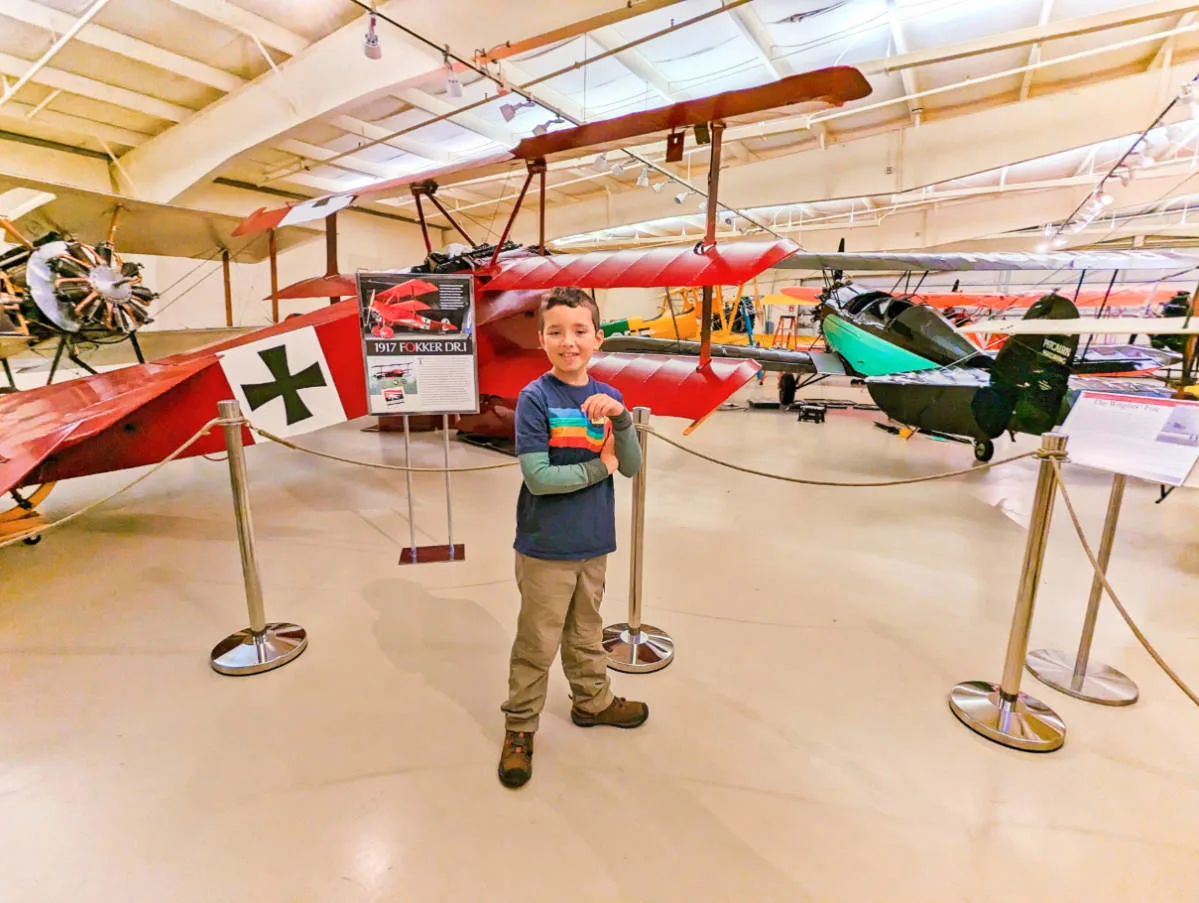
column 1030, row 375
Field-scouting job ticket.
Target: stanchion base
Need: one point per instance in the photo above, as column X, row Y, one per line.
column 637, row 652
column 1024, row 723
column 248, row 653
column 1100, row 684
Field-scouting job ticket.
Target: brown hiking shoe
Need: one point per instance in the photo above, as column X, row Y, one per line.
column 621, row 713
column 516, row 759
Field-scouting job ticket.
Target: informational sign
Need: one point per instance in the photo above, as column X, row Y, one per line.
column 1155, row 439
column 418, row 339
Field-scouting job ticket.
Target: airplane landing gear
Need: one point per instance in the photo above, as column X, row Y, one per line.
column 787, row 387
column 984, row 450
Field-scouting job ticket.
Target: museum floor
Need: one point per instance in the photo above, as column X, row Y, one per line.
column 800, row 748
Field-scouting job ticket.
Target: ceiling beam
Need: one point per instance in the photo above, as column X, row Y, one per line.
column 1022, row 37
column 423, row 100
column 56, row 22
column 513, row 74
column 406, row 143
column 900, row 45
column 941, row 149
column 746, row 21
column 1165, row 53
column 302, row 89
column 18, row 112
column 1034, row 52
column 607, row 38
column 232, row 16
column 96, row 90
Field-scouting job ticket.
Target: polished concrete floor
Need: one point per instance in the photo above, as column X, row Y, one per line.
column 800, row 748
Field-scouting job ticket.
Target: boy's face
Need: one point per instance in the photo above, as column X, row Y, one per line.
column 569, row 338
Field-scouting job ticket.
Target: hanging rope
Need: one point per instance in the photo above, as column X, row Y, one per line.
column 398, row 467
column 977, row 468
column 47, row 527
column 1136, row 631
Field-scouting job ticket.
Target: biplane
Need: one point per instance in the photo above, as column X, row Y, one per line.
column 307, row 372
column 70, row 286
column 924, row 373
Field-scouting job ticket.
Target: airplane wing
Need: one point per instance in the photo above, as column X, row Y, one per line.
column 779, row 360
column 669, row 386
column 1089, row 326
column 138, row 415
column 731, row 263
column 1060, row 260
column 143, row 228
column 835, row 85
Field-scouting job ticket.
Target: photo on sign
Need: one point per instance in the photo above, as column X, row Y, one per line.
column 1182, row 427
column 394, row 384
column 408, row 305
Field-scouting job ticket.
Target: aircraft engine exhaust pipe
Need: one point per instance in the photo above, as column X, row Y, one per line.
column 262, row 646
column 1000, row 712
column 633, row 647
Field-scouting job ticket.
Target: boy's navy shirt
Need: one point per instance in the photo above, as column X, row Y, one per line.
column 567, row 526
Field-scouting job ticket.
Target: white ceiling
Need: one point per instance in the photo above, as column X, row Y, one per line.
column 265, row 92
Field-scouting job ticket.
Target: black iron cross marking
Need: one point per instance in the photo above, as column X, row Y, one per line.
column 286, row 385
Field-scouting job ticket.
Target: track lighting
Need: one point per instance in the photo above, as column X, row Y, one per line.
column 370, row 42
column 600, row 163
column 509, row 110
column 659, row 186
column 643, row 177
column 681, row 196
column 540, row 130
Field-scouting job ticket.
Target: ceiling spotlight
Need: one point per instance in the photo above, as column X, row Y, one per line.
column 370, row 43
column 1049, row 230
column 1105, row 199
column 659, row 186
column 600, row 163
column 681, row 196
column 509, row 110
column 643, row 177
column 702, row 205
column 453, row 87
column 1059, row 242
column 617, row 168
column 540, row 130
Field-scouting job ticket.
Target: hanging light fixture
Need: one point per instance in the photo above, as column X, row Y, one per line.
column 370, row 42
column 643, row 177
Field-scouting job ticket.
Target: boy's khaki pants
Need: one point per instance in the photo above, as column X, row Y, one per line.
column 559, row 606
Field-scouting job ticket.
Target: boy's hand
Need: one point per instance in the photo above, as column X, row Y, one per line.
column 608, row 451
column 600, row 405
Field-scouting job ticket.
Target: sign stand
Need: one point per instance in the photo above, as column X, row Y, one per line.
column 420, row 357
column 1081, row 678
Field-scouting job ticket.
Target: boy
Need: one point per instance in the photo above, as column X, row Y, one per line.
column 572, row 433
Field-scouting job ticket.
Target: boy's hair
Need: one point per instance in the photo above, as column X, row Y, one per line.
column 567, row 296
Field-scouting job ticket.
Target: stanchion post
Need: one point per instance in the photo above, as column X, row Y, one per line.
column 1080, row 677
column 631, row 646
column 262, row 646
column 1001, row 712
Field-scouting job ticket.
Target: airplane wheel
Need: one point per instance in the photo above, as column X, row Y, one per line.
column 386, row 332
column 787, row 386
column 375, row 331
column 984, row 450
column 31, row 540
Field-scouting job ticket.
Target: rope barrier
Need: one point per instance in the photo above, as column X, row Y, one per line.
column 47, row 527
column 977, row 468
column 1136, row 631
column 398, row 467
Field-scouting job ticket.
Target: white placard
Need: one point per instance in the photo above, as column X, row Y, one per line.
column 418, row 343
column 1155, row 439
column 283, row 383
